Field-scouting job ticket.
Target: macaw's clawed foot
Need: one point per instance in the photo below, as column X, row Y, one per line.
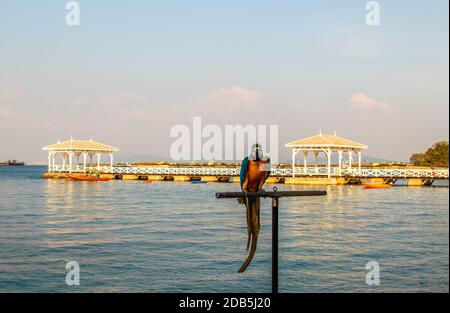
column 243, row 200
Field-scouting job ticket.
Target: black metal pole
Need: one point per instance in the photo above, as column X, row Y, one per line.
column 275, row 245
column 275, row 195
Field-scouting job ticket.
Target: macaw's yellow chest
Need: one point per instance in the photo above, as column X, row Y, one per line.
column 256, row 174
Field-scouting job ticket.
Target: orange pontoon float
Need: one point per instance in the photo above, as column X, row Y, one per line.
column 368, row 186
column 87, row 178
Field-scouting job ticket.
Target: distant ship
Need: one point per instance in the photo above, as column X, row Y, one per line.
column 12, row 163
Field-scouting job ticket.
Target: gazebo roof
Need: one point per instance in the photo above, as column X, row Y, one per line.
column 330, row 141
column 80, row 145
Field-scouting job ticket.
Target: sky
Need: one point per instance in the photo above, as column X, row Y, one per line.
column 134, row 69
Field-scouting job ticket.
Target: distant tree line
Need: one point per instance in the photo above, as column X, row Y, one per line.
column 436, row 155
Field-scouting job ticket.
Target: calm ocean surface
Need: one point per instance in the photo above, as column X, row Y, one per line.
column 176, row 237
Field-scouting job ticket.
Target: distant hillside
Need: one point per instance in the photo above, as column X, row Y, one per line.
column 368, row 158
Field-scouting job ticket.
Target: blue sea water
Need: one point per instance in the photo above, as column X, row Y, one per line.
column 176, row 237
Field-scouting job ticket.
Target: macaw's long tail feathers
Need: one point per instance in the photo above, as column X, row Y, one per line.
column 249, row 237
column 250, row 255
column 253, row 224
column 249, row 222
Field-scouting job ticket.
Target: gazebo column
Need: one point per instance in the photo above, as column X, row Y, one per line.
column 53, row 160
column 50, row 161
column 78, row 154
column 91, row 155
column 98, row 160
column 359, row 160
column 64, row 157
column 305, row 156
column 112, row 160
column 316, row 158
column 84, row 160
column 350, row 159
column 70, row 161
column 293, row 162
column 328, row 153
column 340, row 162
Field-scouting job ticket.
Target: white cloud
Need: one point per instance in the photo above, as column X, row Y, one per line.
column 362, row 101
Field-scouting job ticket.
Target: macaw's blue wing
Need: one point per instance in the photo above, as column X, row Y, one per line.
column 244, row 169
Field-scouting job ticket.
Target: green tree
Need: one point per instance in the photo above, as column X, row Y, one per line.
column 436, row 155
column 417, row 159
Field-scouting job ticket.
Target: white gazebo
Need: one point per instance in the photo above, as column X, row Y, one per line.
column 326, row 144
column 72, row 147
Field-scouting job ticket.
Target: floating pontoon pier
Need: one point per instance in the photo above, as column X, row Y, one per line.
column 302, row 175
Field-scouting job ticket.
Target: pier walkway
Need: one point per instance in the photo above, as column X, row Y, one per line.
column 338, row 176
column 276, row 172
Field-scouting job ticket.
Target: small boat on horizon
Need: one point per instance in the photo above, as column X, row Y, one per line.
column 12, row 163
column 87, row 178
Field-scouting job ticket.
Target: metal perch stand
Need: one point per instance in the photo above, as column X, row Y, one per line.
column 275, row 195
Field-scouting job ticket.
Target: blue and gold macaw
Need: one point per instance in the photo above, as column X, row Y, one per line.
column 254, row 172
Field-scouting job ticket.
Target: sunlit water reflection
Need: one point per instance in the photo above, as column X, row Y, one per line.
column 176, row 237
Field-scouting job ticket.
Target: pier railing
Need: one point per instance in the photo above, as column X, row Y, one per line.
column 397, row 173
column 276, row 172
